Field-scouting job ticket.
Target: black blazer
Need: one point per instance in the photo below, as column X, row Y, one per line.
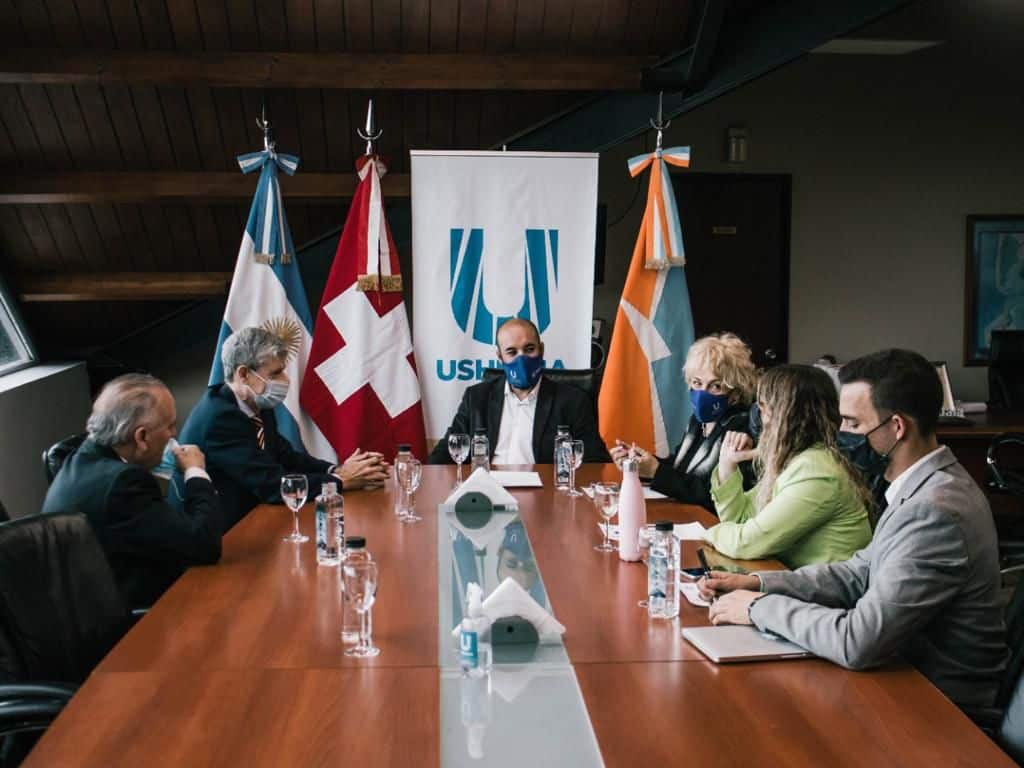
column 148, row 542
column 482, row 405
column 690, row 482
column 244, row 474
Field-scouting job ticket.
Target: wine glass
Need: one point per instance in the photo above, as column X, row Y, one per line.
column 575, row 459
column 458, row 449
column 359, row 580
column 294, row 489
column 606, row 496
column 410, row 472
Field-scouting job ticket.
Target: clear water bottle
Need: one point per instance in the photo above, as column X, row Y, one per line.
column 480, row 451
column 562, row 460
column 330, row 525
column 401, row 502
column 662, row 561
column 355, row 551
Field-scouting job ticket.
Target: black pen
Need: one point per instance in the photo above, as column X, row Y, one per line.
column 705, row 566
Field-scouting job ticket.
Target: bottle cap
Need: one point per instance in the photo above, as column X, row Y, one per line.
column 404, row 447
column 630, row 465
column 663, row 525
column 355, row 542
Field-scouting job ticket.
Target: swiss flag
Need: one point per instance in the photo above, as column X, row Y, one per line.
column 360, row 385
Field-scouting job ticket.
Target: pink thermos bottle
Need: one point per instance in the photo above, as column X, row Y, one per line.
column 632, row 511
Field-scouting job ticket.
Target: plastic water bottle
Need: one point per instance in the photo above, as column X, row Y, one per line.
column 662, row 559
column 474, row 652
column 401, row 502
column 562, row 460
column 480, row 451
column 632, row 511
column 330, row 525
column 355, row 551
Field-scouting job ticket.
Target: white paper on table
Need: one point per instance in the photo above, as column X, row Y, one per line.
column 692, row 594
column 689, row 531
column 510, row 479
column 613, row 531
column 649, row 494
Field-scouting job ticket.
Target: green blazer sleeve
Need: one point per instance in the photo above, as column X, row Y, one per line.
column 804, row 499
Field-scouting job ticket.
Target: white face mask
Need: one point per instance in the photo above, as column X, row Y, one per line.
column 272, row 396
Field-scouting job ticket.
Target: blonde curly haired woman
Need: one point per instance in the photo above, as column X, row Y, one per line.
column 810, row 504
column 722, row 379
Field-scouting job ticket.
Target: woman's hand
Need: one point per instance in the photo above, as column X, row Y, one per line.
column 737, row 447
column 648, row 461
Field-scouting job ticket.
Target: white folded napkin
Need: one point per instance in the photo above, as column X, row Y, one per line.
column 510, row 599
column 482, row 482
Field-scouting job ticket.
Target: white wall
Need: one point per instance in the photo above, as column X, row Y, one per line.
column 888, row 156
column 38, row 407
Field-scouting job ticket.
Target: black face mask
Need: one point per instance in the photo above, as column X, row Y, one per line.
column 858, row 450
column 754, row 421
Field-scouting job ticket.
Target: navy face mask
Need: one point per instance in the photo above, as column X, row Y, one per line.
column 524, row 372
column 708, row 407
column 858, row 450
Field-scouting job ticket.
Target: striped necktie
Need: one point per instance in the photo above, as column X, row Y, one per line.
column 261, row 437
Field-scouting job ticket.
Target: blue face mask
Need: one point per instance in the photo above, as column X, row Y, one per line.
column 524, row 372
column 272, row 396
column 708, row 407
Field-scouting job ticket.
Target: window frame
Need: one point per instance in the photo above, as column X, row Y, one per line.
column 22, row 338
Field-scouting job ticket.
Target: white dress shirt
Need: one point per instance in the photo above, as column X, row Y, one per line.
column 515, row 436
column 896, row 486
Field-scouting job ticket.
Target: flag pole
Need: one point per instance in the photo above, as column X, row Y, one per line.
column 370, row 134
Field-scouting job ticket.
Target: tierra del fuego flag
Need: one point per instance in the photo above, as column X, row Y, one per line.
column 644, row 397
column 361, row 386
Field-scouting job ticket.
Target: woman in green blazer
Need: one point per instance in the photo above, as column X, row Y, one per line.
column 809, row 505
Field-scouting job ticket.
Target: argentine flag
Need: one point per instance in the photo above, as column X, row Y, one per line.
column 266, row 291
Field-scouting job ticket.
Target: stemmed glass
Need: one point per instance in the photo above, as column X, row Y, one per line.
column 410, row 472
column 458, row 449
column 606, row 497
column 294, row 489
column 575, row 459
column 359, row 580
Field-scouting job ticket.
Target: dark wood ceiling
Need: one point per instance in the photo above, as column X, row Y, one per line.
column 112, row 127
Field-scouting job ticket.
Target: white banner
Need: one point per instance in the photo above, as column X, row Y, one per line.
column 498, row 235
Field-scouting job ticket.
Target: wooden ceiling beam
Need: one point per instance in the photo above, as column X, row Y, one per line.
column 122, row 286
column 406, row 71
column 132, row 186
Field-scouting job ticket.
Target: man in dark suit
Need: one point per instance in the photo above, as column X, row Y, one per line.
column 234, row 425
column 522, row 412
column 148, row 542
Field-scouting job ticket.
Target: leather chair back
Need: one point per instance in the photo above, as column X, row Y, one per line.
column 586, row 379
column 63, row 612
column 1006, row 370
column 55, row 456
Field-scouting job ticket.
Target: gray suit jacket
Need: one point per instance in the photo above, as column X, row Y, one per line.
column 926, row 588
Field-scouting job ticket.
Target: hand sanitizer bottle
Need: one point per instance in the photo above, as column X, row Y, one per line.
column 474, row 653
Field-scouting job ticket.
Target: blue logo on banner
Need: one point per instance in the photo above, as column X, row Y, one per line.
column 466, row 282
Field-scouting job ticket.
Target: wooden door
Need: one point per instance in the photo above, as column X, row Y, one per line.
column 736, row 235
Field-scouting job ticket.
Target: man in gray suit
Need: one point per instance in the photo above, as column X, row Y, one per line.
column 927, row 586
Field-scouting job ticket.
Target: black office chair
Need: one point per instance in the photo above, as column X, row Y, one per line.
column 55, row 456
column 1006, row 370
column 57, row 619
column 1006, row 476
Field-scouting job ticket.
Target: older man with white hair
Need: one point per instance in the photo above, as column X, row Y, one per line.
column 234, row 425
column 148, row 542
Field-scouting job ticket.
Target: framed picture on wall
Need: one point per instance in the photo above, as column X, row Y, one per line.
column 994, row 282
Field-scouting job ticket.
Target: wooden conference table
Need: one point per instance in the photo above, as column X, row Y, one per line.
column 241, row 663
